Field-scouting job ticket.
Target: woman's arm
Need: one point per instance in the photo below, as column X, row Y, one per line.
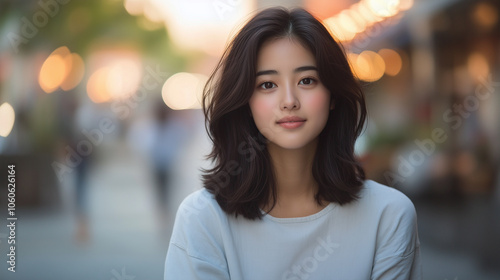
column 180, row 265
column 398, row 247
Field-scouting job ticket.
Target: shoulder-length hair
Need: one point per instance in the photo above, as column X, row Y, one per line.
column 242, row 177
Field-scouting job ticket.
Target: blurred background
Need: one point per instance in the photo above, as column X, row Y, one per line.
column 100, row 114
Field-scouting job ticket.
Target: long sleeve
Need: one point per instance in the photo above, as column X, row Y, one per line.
column 180, row 265
column 398, row 249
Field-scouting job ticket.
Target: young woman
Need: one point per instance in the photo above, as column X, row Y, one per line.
column 286, row 198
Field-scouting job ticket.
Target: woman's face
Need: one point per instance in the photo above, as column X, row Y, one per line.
column 289, row 104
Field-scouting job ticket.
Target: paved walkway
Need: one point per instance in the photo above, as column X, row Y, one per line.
column 126, row 240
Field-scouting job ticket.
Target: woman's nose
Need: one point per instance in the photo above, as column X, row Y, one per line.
column 289, row 100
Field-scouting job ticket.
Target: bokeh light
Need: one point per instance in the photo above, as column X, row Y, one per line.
column 183, row 91
column 97, row 88
column 116, row 73
column 133, row 7
column 478, row 66
column 366, row 13
column 384, row 8
column 393, row 61
column 123, row 78
column 370, row 66
column 7, row 116
column 54, row 70
column 347, row 23
column 405, row 5
column 61, row 69
column 75, row 75
column 485, row 15
column 356, row 19
column 337, row 30
column 352, row 58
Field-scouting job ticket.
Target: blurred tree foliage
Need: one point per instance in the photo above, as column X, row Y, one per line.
column 80, row 24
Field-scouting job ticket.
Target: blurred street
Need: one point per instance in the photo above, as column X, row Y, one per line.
column 126, row 239
column 125, row 236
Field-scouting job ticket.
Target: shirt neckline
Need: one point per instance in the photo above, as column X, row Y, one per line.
column 312, row 217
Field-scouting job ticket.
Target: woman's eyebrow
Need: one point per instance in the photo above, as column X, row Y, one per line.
column 299, row 69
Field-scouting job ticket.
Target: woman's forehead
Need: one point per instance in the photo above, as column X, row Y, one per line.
column 284, row 53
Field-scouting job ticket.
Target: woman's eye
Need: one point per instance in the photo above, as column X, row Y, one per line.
column 307, row 81
column 267, row 85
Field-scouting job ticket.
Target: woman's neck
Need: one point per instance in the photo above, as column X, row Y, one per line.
column 295, row 184
column 293, row 169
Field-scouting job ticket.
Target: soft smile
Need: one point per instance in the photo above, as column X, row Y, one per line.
column 291, row 122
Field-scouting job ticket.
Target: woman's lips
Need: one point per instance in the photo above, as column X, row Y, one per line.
column 293, row 124
column 290, row 119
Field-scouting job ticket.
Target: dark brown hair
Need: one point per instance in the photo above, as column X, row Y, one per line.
column 242, row 178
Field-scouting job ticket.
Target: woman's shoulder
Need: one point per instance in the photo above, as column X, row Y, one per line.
column 198, row 227
column 198, row 217
column 381, row 197
column 200, row 203
column 396, row 222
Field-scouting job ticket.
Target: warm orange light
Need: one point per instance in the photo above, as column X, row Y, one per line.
column 369, row 66
column 61, row 69
column 77, row 68
column 208, row 23
column 152, row 13
column 362, row 15
column 117, row 73
column 383, row 8
column 62, row 51
column 324, row 9
column 337, row 30
column 405, row 5
column 361, row 23
column 485, row 15
column 54, row 70
column 134, row 7
column 97, row 88
column 478, row 66
column 393, row 62
column 124, row 78
column 366, row 13
column 345, row 20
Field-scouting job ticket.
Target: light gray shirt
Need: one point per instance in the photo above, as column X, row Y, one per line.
column 374, row 237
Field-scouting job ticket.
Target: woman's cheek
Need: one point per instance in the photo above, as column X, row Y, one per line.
column 319, row 102
column 261, row 110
